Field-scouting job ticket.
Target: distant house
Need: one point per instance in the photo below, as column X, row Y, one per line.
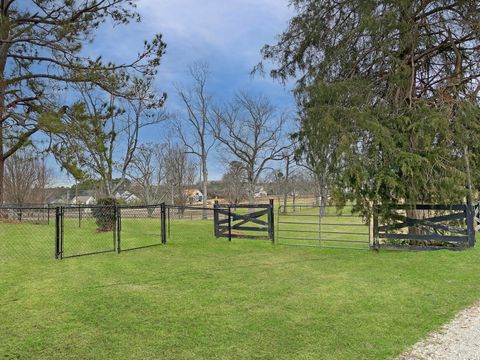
column 260, row 192
column 83, row 200
column 194, row 196
column 126, row 196
column 58, row 201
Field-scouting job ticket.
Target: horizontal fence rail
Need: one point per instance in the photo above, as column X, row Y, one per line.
column 425, row 227
column 255, row 222
column 322, row 226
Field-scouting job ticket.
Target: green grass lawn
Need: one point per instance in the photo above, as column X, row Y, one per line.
column 200, row 297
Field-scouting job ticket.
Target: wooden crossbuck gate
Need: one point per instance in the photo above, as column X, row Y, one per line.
column 244, row 221
column 432, row 227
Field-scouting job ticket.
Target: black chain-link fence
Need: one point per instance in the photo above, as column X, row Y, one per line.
column 140, row 226
column 69, row 231
column 27, row 233
column 87, row 230
column 189, row 224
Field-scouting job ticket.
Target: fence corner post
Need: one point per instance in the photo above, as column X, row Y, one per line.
column 271, row 221
column 470, row 213
column 229, row 223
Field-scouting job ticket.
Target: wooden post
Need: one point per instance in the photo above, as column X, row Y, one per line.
column 229, row 223
column 469, row 214
column 215, row 218
column 271, row 222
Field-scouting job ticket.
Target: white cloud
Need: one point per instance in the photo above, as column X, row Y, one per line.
column 217, row 23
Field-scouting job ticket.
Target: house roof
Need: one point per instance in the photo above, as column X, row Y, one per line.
column 83, row 197
column 192, row 191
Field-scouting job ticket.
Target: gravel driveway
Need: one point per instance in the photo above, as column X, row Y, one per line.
column 459, row 339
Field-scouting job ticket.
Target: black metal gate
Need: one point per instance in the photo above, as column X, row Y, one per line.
column 90, row 230
column 322, row 226
column 86, row 230
column 140, row 227
column 245, row 221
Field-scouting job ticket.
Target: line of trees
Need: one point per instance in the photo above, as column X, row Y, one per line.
column 388, row 100
column 94, row 132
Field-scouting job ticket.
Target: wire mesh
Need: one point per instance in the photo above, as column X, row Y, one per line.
column 88, row 230
column 27, row 234
column 140, row 227
column 189, row 224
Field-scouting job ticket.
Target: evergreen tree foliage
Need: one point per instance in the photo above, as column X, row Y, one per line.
column 388, row 93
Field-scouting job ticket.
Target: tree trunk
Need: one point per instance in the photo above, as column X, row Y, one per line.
column 251, row 193
column 469, row 176
column 323, row 199
column 415, row 214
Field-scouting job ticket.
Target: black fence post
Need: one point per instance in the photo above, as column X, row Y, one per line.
column 470, row 213
column 376, row 244
column 215, row 218
column 119, row 228
column 229, row 223
column 271, row 222
column 57, row 233
column 163, row 219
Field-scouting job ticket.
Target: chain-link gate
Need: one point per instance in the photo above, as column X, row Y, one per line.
column 87, row 230
column 140, row 227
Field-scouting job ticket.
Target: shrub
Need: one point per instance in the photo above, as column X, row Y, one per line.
column 104, row 214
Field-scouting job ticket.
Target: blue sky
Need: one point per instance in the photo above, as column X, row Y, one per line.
column 227, row 34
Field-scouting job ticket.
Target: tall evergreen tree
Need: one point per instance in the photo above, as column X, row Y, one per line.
column 393, row 88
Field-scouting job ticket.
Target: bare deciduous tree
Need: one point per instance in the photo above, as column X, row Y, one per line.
column 233, row 183
column 26, row 179
column 193, row 128
column 102, row 137
column 180, row 174
column 251, row 131
column 147, row 172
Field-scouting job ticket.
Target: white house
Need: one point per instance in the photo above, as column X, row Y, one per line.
column 194, row 195
column 260, row 192
column 83, row 200
column 126, row 196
